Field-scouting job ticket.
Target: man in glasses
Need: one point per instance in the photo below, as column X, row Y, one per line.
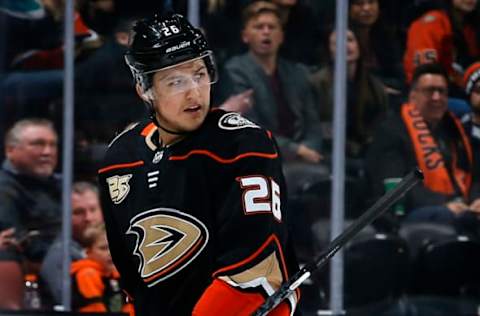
column 193, row 198
column 427, row 135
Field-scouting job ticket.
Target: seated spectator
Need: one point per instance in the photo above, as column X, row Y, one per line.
column 366, row 104
column 282, row 96
column 86, row 212
column 283, row 102
column 379, row 49
column 471, row 123
column 29, row 201
column 95, row 281
column 449, row 36
column 428, row 135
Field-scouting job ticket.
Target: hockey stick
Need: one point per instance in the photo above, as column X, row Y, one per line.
column 366, row 218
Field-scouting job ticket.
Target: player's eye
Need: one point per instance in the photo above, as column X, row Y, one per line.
column 176, row 82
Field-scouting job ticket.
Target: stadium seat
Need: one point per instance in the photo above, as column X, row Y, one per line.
column 376, row 269
column 448, row 268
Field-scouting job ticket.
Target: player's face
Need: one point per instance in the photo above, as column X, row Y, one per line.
column 181, row 96
column 465, row 6
column 35, row 153
column 286, row 3
column 263, row 34
column 430, row 97
column 364, row 12
column 475, row 97
column 353, row 50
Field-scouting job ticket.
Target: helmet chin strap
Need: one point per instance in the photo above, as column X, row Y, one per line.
column 153, row 118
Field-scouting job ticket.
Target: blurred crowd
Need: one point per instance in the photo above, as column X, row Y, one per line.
column 412, row 99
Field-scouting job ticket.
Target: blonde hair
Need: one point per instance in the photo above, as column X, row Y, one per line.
column 92, row 234
column 256, row 8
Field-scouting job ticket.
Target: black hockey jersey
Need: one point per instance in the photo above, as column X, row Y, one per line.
column 209, row 206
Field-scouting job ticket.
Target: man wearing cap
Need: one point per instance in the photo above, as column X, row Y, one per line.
column 471, row 123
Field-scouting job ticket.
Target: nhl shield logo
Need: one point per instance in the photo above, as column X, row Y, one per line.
column 232, row 121
column 118, row 187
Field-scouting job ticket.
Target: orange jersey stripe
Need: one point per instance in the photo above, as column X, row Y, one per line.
column 122, row 165
column 148, row 129
column 223, row 160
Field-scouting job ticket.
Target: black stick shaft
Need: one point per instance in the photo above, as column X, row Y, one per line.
column 366, row 218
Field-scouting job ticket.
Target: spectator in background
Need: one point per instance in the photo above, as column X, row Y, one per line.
column 428, row 135
column 282, row 96
column 471, row 121
column 367, row 100
column 449, row 36
column 284, row 103
column 378, row 47
column 29, row 201
column 95, row 281
column 86, row 212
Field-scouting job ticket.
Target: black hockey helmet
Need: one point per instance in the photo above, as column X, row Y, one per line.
column 164, row 41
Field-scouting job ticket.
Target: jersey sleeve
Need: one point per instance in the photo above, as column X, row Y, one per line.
column 115, row 180
column 428, row 41
column 252, row 248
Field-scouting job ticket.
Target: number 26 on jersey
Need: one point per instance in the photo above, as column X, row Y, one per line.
column 260, row 195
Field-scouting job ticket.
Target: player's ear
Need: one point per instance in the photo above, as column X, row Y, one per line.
column 146, row 96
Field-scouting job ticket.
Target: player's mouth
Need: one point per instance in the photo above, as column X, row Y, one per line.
column 193, row 109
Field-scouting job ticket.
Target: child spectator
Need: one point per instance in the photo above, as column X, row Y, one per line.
column 95, row 281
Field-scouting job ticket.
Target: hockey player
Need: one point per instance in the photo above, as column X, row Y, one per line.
column 193, row 198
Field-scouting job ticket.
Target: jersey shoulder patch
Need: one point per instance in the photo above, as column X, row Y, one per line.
column 234, row 121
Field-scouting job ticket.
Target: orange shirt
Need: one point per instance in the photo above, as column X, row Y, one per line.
column 430, row 39
column 96, row 291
